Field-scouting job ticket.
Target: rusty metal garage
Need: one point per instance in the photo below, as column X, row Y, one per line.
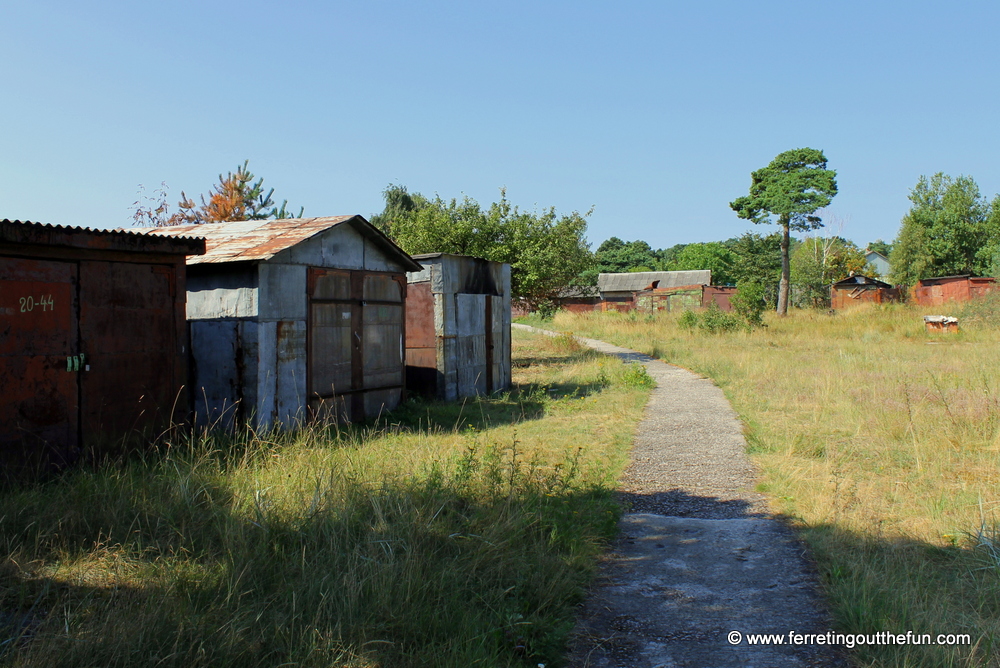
column 458, row 326
column 94, row 342
column 294, row 319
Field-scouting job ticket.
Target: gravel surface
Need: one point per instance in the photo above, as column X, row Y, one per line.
column 698, row 555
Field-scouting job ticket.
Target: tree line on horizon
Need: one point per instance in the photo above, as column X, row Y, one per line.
column 950, row 229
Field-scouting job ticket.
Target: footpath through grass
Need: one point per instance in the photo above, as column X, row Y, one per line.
column 452, row 535
column 882, row 442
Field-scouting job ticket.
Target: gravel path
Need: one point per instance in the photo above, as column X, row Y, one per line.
column 698, row 556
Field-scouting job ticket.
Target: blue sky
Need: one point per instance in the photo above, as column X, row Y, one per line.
column 652, row 113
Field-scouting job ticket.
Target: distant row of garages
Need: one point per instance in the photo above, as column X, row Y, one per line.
column 110, row 334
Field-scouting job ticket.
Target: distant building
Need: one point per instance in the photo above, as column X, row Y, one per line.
column 879, row 261
column 859, row 290
column 618, row 290
column 944, row 289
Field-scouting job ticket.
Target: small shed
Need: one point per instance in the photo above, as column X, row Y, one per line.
column 618, row 290
column 295, row 319
column 683, row 297
column 859, row 289
column 94, row 344
column 945, row 289
column 458, row 314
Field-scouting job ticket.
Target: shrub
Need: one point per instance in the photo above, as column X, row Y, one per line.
column 749, row 304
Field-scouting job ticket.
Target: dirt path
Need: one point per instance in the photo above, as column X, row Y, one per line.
column 698, row 556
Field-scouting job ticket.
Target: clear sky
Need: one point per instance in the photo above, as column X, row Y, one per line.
column 652, row 113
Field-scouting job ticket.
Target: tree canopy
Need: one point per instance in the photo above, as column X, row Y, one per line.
column 792, row 188
column 950, row 229
column 237, row 196
column 545, row 251
column 712, row 255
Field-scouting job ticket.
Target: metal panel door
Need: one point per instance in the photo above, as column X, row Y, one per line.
column 130, row 342
column 356, row 346
column 39, row 362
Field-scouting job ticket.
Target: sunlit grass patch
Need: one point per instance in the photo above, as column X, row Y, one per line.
column 443, row 535
column 881, row 441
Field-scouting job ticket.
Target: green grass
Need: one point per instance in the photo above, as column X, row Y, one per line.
column 452, row 535
column 881, row 443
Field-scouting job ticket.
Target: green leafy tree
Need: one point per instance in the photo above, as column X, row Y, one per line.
column 237, row 196
column 546, row 252
column 667, row 256
column 758, row 261
column 792, row 187
column 615, row 255
column 817, row 262
column 712, row 255
column 950, row 229
column 881, row 247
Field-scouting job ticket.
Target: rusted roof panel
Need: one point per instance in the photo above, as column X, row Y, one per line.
column 257, row 240
column 26, row 232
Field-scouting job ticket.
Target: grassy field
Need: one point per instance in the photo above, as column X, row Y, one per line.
column 451, row 535
column 882, row 443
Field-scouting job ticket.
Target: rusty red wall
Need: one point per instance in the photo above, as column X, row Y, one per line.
column 940, row 291
column 841, row 298
column 718, row 294
column 580, row 305
column 94, row 345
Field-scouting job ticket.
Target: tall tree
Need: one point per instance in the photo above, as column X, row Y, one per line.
column 237, row 196
column 545, row 251
column 792, row 187
column 950, row 229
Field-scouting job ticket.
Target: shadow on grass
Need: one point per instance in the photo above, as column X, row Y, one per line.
column 174, row 563
column 521, row 403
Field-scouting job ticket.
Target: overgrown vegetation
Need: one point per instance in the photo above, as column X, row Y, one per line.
column 881, row 443
column 545, row 251
column 457, row 535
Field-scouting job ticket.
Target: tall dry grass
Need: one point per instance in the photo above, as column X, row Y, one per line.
column 882, row 443
column 451, row 535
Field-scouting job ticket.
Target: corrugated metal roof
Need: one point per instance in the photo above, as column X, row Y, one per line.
column 256, row 240
column 634, row 281
column 68, row 236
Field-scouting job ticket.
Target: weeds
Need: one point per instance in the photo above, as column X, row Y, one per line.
column 453, row 536
column 879, row 448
